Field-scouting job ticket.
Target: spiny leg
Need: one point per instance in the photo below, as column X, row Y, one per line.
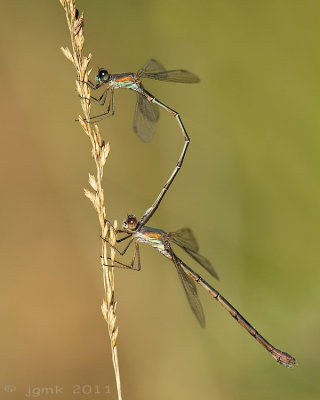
column 118, row 264
column 113, row 228
column 116, row 232
column 92, row 85
column 118, row 241
column 124, row 238
column 136, row 254
column 150, row 211
column 102, row 99
column 111, row 106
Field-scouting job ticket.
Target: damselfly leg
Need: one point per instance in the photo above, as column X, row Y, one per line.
column 146, row 110
column 184, row 238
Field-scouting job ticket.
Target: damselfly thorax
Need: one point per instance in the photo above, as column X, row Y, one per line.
column 126, row 81
column 185, row 239
column 146, row 111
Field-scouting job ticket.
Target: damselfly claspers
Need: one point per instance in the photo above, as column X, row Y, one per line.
column 184, row 238
column 146, row 111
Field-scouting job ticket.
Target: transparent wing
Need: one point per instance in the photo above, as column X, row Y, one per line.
column 204, row 262
column 191, row 292
column 186, row 240
column 151, row 65
column 145, row 118
column 154, row 70
column 177, row 75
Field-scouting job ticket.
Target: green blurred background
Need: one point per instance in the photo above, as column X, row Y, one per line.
column 249, row 189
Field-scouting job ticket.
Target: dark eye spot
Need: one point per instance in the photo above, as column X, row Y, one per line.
column 102, row 75
column 132, row 221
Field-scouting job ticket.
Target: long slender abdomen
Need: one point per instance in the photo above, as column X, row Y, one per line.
column 280, row 356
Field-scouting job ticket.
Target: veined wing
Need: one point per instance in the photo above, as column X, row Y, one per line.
column 145, row 118
column 191, row 293
column 185, row 239
column 177, row 75
column 154, row 70
column 204, row 262
column 150, row 66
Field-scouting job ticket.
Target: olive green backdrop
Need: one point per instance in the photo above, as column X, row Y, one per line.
column 249, row 189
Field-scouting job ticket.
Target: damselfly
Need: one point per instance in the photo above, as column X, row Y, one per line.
column 146, row 111
column 184, row 238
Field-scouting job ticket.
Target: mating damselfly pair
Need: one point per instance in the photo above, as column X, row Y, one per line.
column 145, row 117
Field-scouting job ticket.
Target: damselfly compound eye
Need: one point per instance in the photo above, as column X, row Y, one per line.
column 102, row 75
column 132, row 222
column 146, row 112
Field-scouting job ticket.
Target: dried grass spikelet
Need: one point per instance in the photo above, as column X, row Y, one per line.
column 100, row 151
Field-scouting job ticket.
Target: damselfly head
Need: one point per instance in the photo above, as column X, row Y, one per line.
column 102, row 75
column 130, row 223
